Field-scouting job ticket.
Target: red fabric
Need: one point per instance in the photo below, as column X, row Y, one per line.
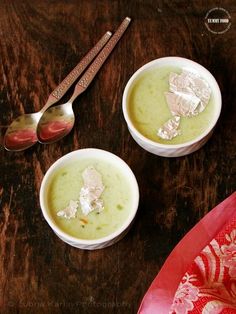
column 209, row 285
column 199, row 278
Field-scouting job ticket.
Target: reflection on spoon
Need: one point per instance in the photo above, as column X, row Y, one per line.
column 49, row 130
column 21, row 133
column 56, row 123
column 21, row 138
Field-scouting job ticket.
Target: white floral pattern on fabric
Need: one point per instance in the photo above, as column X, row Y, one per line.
column 184, row 297
column 229, row 254
column 210, row 283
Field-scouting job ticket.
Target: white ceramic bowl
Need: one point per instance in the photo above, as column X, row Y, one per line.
column 176, row 150
column 105, row 156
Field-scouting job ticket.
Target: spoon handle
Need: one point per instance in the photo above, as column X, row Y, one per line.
column 63, row 87
column 88, row 76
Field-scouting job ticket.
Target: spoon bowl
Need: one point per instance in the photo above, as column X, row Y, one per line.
column 55, row 123
column 21, row 133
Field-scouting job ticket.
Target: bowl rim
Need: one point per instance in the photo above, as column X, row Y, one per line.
column 154, row 63
column 90, row 152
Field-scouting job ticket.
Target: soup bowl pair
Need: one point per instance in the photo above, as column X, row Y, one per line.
column 167, row 150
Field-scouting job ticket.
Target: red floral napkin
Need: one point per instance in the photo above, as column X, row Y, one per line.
column 199, row 276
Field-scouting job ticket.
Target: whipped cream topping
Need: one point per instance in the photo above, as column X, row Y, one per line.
column 91, row 191
column 70, row 211
column 188, row 96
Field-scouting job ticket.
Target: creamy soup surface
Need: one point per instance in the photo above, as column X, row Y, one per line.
column 117, row 199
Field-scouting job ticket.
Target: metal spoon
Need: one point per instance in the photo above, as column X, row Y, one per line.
column 21, row 133
column 58, row 121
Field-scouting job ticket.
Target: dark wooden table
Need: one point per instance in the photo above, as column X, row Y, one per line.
column 41, row 41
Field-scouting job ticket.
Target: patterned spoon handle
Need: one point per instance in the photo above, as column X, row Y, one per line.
column 88, row 76
column 63, row 87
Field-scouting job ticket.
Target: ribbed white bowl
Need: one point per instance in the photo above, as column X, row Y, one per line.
column 186, row 148
column 105, row 156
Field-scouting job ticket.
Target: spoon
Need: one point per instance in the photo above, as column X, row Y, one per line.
column 21, row 133
column 58, row 121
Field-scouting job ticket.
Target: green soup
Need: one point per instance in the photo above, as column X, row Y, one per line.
column 117, row 199
column 148, row 109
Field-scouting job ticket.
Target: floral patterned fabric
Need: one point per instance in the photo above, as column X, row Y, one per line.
column 209, row 285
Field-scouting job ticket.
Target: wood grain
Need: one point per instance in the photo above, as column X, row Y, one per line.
column 41, row 41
